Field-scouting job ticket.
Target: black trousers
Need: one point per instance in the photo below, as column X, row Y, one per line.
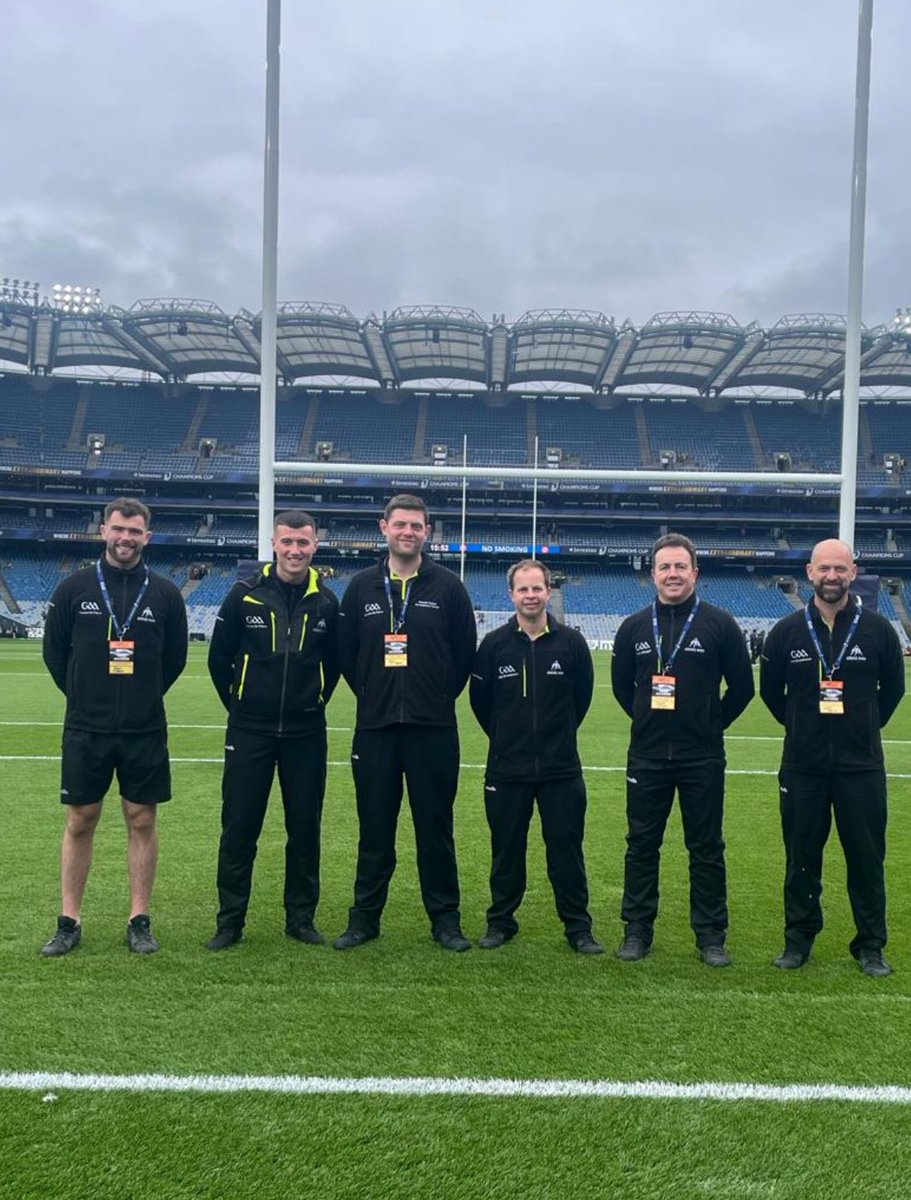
column 250, row 762
column 858, row 800
column 383, row 760
column 561, row 804
column 650, row 788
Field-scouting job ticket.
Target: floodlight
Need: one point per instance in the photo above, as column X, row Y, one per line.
column 77, row 299
column 20, row 291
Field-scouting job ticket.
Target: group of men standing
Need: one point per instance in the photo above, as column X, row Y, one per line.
column 404, row 638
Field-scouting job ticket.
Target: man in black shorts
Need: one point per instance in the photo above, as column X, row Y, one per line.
column 114, row 641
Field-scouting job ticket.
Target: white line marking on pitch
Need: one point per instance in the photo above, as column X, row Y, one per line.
column 558, row 1089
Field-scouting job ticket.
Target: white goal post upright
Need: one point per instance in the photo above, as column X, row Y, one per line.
column 268, row 329
column 851, row 387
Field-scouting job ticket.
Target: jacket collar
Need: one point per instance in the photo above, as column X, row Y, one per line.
column 684, row 608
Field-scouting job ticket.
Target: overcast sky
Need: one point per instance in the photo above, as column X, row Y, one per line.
column 623, row 156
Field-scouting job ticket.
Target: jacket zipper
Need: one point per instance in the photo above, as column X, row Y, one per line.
column 281, row 702
column 534, row 699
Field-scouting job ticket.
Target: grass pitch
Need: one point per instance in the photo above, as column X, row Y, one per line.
column 400, row 1007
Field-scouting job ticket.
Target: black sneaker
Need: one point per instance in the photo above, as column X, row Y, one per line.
column 874, row 962
column 308, row 934
column 633, row 948
column 140, row 938
column 67, row 938
column 224, row 938
column 585, row 943
column 452, row 938
column 493, row 939
column 354, row 937
column 715, row 955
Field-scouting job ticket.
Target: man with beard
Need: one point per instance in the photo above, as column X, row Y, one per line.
column 670, row 660
column 531, row 686
column 114, row 641
column 407, row 638
column 832, row 675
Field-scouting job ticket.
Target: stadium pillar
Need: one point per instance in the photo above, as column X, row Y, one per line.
column 851, row 389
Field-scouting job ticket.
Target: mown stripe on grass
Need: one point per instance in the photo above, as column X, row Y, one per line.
column 346, row 763
column 536, row 1089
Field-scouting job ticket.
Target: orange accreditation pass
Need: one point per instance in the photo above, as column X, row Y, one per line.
column 832, row 697
column 664, row 692
column 120, row 658
column 395, row 649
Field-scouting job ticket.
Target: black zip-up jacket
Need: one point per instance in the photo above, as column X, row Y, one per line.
column 714, row 651
column 873, row 674
column 275, row 670
column 77, row 634
column 530, row 697
column 442, row 638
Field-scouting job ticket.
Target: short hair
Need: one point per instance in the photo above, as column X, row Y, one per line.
column 128, row 507
column 294, row 518
column 409, row 502
column 523, row 565
column 675, row 539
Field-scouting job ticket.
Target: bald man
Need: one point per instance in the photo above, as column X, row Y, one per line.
column 832, row 674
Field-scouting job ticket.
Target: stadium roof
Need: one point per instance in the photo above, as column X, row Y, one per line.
column 710, row 353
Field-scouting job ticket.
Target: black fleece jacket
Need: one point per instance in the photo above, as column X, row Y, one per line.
column 714, row 651
column 77, row 634
column 873, row 674
column 442, row 638
column 530, row 697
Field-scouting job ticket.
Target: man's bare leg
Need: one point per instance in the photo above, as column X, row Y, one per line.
column 142, row 854
column 76, row 855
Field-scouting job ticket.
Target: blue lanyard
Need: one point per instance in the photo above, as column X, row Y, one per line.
column 830, row 671
column 669, row 665
column 396, row 625
column 119, row 629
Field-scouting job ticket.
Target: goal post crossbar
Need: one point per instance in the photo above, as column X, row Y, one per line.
column 550, row 475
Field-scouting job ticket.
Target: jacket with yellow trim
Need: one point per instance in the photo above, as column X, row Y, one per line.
column 274, row 669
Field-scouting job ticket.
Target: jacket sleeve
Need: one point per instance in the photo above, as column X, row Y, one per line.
column 58, row 633
column 347, row 639
column 737, row 672
column 772, row 684
column 176, row 639
column 463, row 631
column 583, row 679
column 226, row 639
column 892, row 677
column 331, row 671
column 623, row 669
column 480, row 689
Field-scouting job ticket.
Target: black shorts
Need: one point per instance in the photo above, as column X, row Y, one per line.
column 90, row 760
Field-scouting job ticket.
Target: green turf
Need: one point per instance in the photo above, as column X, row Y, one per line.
column 401, row 1006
